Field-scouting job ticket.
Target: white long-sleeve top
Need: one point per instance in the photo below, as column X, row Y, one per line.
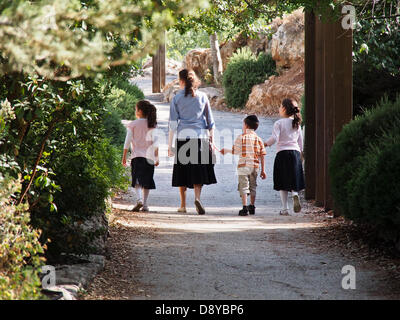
column 140, row 139
column 286, row 137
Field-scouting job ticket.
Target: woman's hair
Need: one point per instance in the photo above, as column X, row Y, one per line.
column 292, row 110
column 191, row 81
column 149, row 111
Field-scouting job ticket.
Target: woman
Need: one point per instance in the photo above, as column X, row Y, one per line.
column 192, row 120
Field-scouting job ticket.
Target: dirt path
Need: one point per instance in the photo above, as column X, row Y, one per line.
column 166, row 255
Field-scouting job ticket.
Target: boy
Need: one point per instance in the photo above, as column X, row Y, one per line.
column 251, row 151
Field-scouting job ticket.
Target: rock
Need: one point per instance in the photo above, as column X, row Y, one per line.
column 211, row 92
column 287, row 45
column 97, row 223
column 172, row 67
column 170, row 91
column 266, row 98
column 199, row 60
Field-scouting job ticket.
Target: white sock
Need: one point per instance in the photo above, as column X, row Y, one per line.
column 138, row 189
column 145, row 196
column 284, row 199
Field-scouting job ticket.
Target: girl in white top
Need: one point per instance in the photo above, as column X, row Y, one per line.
column 144, row 151
column 288, row 169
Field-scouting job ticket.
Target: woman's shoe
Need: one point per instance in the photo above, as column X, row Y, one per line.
column 182, row 210
column 296, row 203
column 199, row 207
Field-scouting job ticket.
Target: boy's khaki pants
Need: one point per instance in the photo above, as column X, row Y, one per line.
column 247, row 180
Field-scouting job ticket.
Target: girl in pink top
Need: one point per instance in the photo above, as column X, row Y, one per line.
column 288, row 169
column 144, row 152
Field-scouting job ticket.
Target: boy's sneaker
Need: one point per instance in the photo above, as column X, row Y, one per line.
column 296, row 203
column 244, row 212
column 252, row 209
column 199, row 207
column 284, row 212
column 137, row 207
column 145, row 209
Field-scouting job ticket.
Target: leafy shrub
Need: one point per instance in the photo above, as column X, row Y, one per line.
column 370, row 85
column 123, row 97
column 113, row 128
column 85, row 173
column 20, row 249
column 245, row 70
column 364, row 167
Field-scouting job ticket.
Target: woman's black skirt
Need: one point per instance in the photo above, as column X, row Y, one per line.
column 142, row 173
column 194, row 163
column 288, row 171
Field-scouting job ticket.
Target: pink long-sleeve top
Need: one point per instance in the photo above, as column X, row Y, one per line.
column 140, row 139
column 286, row 137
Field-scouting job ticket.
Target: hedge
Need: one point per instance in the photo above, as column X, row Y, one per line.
column 364, row 168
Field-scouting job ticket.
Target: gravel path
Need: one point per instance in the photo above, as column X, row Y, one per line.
column 166, row 255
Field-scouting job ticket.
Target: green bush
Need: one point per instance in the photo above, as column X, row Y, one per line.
column 20, row 249
column 86, row 173
column 364, row 169
column 113, row 128
column 123, row 97
column 245, row 70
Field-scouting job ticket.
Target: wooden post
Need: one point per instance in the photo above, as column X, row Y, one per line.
column 158, row 75
column 319, row 112
column 310, row 139
column 329, row 104
column 329, row 100
column 344, row 82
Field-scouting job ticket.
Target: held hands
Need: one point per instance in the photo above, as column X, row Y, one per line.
column 225, row 151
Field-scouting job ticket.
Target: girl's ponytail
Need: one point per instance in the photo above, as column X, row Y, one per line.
column 149, row 111
column 292, row 110
column 190, row 80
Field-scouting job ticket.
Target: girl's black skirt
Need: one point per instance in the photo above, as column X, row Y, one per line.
column 142, row 173
column 194, row 163
column 288, row 171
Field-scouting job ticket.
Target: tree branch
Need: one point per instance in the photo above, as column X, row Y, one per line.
column 39, row 156
column 383, row 17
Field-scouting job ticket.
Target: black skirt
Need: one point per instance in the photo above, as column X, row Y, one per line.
column 194, row 163
column 142, row 173
column 288, row 171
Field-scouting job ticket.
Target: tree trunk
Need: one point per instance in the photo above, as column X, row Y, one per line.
column 216, row 58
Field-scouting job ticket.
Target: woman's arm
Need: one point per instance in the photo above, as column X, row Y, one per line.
column 173, row 125
column 170, row 139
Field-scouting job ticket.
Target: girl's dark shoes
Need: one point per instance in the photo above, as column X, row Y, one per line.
column 252, row 209
column 137, row 207
column 244, row 211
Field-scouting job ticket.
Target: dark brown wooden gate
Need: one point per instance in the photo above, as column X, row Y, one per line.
column 328, row 99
